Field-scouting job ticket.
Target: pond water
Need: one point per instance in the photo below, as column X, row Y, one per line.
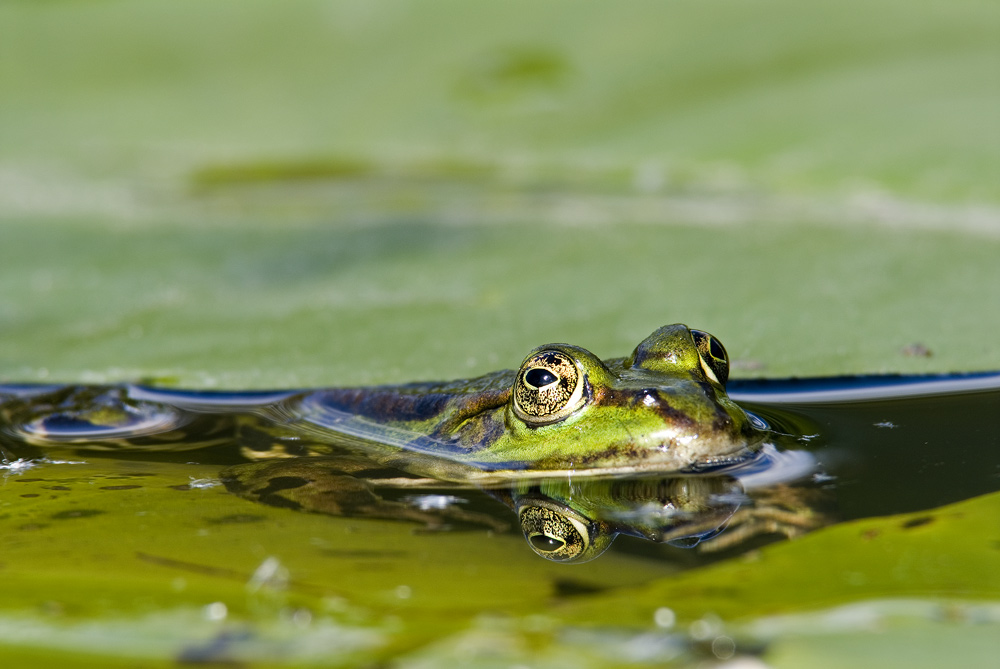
column 135, row 531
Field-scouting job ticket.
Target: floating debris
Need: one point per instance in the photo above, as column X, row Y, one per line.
column 433, row 502
column 18, row 466
column 270, row 574
column 917, row 350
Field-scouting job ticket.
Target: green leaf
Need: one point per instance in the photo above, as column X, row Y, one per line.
column 951, row 552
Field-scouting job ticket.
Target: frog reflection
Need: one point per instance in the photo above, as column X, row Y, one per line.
column 711, row 513
column 576, row 522
column 563, row 519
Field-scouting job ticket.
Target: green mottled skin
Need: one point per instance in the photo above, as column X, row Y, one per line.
column 655, row 411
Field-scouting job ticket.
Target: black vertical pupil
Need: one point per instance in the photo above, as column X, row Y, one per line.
column 539, row 377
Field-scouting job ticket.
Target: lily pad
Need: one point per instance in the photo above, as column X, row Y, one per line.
column 950, row 552
column 209, row 206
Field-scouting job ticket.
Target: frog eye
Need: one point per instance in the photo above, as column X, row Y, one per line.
column 549, row 387
column 559, row 534
column 713, row 357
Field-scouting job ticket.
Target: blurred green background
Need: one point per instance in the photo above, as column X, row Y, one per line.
column 242, row 193
column 237, row 193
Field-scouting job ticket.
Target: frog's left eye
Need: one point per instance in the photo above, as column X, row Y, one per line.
column 713, row 356
column 549, row 387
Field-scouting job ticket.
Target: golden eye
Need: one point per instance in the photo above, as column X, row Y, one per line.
column 713, row 356
column 560, row 533
column 553, row 535
column 549, row 387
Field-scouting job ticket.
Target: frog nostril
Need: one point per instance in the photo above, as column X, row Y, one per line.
column 648, row 396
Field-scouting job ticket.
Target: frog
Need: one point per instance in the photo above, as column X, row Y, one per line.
column 563, row 413
column 663, row 408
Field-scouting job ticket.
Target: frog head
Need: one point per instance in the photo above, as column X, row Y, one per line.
column 664, row 408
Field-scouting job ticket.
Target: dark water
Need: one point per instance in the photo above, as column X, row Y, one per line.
column 892, row 444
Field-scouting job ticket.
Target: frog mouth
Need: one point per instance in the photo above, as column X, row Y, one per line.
column 629, row 460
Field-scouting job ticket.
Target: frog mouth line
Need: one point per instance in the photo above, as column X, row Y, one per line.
column 731, row 462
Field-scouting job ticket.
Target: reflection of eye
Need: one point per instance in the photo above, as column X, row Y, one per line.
column 713, row 357
column 554, row 535
column 548, row 388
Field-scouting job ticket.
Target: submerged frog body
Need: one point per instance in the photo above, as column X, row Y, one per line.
column 663, row 410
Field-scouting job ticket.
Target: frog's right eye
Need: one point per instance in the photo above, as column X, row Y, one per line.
column 712, row 355
column 549, row 387
column 560, row 534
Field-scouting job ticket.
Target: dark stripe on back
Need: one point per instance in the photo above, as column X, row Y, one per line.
column 387, row 405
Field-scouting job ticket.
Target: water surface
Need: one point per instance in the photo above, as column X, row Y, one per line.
column 887, row 486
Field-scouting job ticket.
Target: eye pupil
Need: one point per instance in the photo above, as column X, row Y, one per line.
column 539, row 378
column 713, row 354
column 546, row 543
